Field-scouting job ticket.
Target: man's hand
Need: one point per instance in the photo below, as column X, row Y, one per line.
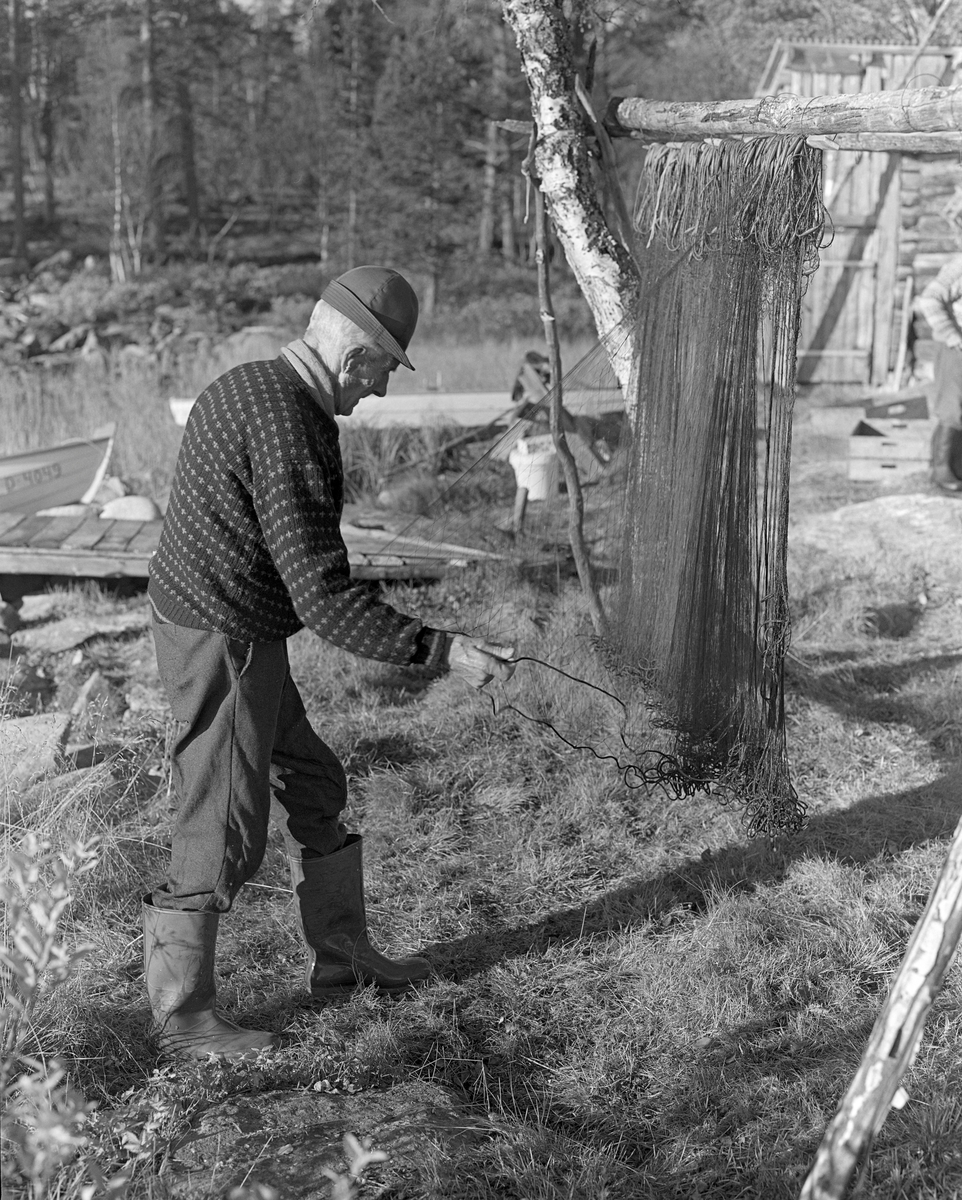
column 477, row 663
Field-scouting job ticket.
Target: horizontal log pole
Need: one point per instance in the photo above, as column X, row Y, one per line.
column 853, row 48
column 913, row 110
column 894, row 143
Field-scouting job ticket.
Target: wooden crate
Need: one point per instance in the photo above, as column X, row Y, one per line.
column 882, row 448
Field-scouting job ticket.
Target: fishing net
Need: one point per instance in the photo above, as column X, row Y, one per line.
column 685, row 474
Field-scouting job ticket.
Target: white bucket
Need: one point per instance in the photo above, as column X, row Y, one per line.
column 535, row 465
column 180, row 409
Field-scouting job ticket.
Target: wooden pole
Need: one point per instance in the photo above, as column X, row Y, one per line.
column 894, row 1041
column 520, row 508
column 913, row 110
column 892, row 143
column 153, row 187
column 927, row 34
column 905, row 320
column 16, row 139
column 576, row 503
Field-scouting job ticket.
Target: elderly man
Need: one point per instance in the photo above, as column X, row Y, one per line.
column 941, row 305
column 251, row 552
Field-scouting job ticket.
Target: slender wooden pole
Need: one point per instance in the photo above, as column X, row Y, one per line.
column 576, row 503
column 892, row 143
column 913, row 110
column 927, row 34
column 153, row 187
column 905, row 320
column 16, row 138
column 520, row 508
column 894, row 1042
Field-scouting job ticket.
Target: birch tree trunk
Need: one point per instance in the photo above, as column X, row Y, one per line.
column 153, row 195
column 489, row 187
column 508, row 236
column 42, row 86
column 16, row 138
column 495, row 154
column 602, row 266
column 353, row 104
column 188, row 158
column 118, row 250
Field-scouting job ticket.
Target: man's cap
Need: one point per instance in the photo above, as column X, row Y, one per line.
column 379, row 301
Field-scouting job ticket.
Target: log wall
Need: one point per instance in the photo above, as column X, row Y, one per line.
column 905, row 236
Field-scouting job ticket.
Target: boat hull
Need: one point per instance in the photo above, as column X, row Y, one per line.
column 64, row 474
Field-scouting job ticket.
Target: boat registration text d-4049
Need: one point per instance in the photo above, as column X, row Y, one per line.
column 32, row 477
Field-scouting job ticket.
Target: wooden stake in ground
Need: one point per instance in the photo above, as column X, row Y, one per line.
column 576, row 503
column 894, row 1041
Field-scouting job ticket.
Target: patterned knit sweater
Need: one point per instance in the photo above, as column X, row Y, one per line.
column 251, row 545
column 941, row 303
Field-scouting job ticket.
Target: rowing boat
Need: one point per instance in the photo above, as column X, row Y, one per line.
column 71, row 472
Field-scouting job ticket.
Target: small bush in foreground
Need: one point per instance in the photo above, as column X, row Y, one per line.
column 42, row 1118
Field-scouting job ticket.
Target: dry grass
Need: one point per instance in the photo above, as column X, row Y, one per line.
column 641, row 1001
column 39, row 407
column 488, row 365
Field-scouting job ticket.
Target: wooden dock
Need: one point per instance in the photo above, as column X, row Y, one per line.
column 85, row 547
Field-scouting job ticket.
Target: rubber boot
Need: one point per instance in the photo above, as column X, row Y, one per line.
column 330, row 900
column 947, row 459
column 179, row 971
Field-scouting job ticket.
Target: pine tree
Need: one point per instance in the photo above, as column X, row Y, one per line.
column 428, row 126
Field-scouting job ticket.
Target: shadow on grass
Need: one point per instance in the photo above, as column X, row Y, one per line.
column 835, row 687
column 872, row 692
column 391, row 750
column 887, row 823
column 837, row 684
column 399, row 686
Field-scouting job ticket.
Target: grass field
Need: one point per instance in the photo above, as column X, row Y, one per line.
column 630, row 996
column 40, row 407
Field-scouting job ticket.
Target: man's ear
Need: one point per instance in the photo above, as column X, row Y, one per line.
column 354, row 357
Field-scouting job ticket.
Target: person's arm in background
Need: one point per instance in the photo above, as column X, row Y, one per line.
column 940, row 303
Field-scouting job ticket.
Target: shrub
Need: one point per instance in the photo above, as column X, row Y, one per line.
column 42, row 1118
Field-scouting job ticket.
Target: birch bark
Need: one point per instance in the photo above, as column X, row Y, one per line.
column 601, row 264
column 915, row 110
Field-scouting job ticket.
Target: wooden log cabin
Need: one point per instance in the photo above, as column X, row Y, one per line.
column 897, row 216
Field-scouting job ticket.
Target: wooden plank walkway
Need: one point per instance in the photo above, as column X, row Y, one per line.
column 93, row 548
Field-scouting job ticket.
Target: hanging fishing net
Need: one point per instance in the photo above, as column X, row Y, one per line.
column 684, row 470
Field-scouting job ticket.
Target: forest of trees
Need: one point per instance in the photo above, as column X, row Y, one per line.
column 340, row 131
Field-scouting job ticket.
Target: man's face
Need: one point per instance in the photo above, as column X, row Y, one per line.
column 365, row 372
